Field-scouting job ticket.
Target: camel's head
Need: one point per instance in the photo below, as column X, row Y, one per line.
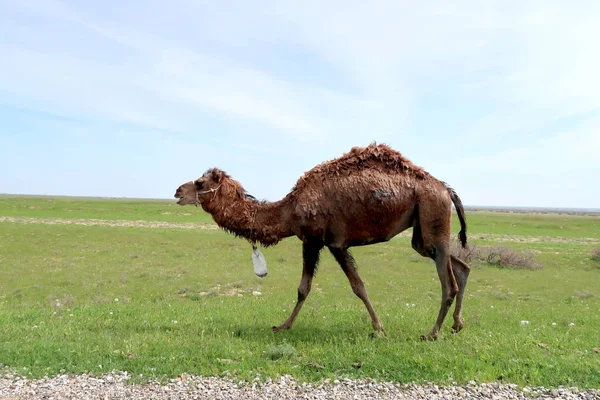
column 202, row 189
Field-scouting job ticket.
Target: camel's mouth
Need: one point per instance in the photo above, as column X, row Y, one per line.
column 185, row 200
column 179, row 195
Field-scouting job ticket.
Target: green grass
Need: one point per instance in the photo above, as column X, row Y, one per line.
column 179, row 308
column 99, row 208
column 553, row 225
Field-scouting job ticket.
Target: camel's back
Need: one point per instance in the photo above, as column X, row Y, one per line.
column 375, row 157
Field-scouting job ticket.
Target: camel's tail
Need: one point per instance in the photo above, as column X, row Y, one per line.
column 462, row 235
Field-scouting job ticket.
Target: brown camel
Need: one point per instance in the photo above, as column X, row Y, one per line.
column 369, row 195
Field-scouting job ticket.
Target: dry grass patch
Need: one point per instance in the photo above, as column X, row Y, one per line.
column 500, row 256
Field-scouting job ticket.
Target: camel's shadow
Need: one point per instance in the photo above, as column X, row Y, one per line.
column 315, row 334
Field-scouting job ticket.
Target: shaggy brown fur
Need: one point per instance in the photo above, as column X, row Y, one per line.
column 368, row 195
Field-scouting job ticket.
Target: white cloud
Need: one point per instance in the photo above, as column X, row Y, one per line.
column 552, row 172
column 475, row 91
column 162, row 85
column 205, row 82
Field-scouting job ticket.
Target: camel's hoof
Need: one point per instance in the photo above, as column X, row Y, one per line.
column 428, row 338
column 456, row 329
column 280, row 328
column 378, row 334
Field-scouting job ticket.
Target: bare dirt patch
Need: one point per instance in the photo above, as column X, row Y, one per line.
column 533, row 239
column 191, row 225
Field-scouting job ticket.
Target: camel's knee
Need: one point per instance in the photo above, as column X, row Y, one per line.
column 302, row 295
column 358, row 288
column 303, row 291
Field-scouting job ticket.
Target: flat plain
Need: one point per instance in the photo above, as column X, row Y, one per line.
column 152, row 288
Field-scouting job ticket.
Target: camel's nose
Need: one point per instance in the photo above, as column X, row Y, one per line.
column 178, row 193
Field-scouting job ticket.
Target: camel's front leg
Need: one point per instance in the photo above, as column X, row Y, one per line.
column 344, row 258
column 310, row 255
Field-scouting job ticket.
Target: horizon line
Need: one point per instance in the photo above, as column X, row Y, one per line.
column 471, row 207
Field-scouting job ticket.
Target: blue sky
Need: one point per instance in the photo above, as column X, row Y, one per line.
column 130, row 99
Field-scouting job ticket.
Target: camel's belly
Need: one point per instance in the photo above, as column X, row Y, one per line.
column 376, row 230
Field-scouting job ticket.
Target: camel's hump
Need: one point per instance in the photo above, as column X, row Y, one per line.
column 379, row 157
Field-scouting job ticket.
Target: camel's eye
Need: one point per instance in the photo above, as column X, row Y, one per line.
column 198, row 184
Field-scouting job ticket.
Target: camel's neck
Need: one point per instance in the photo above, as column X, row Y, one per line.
column 263, row 222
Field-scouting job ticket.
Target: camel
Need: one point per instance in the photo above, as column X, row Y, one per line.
column 367, row 196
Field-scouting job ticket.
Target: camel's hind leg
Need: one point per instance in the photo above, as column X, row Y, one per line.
column 310, row 255
column 461, row 272
column 431, row 238
column 346, row 261
column 449, row 291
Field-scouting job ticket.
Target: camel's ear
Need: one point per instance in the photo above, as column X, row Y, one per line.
column 217, row 175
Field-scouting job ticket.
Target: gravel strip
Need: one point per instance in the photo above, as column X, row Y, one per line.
column 114, row 386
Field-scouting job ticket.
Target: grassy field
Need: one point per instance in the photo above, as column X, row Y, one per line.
column 159, row 302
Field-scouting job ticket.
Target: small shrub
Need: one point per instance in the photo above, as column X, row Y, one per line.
column 101, row 299
column 501, row 256
column 583, row 295
column 468, row 254
column 279, row 351
column 508, row 257
column 183, row 290
column 501, row 295
column 596, row 255
column 68, row 301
